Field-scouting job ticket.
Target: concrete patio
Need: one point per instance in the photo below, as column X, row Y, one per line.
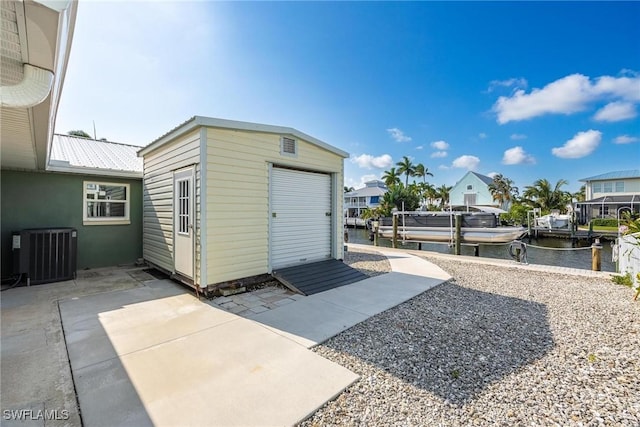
column 149, row 353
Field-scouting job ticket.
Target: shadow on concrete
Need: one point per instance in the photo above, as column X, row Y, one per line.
column 101, row 381
column 452, row 341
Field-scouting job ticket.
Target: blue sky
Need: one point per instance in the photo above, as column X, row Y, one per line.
column 530, row 90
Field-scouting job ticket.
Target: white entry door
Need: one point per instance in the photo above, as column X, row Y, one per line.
column 183, row 214
column 300, row 217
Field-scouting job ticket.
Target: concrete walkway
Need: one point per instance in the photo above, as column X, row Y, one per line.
column 316, row 318
column 155, row 355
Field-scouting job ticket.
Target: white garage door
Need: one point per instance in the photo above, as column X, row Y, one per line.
column 300, row 217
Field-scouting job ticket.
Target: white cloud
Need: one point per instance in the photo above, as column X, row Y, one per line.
column 616, row 112
column 368, row 161
column 625, row 87
column 581, row 145
column 443, row 167
column 568, row 95
column 440, row 145
column 482, row 135
column 466, row 162
column 398, row 135
column 438, row 154
column 518, row 136
column 625, row 139
column 492, row 174
column 517, row 156
column 513, row 82
column 419, row 147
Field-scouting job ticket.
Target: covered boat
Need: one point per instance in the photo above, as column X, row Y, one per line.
column 476, row 227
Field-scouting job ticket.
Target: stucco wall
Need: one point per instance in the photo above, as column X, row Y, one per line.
column 45, row 199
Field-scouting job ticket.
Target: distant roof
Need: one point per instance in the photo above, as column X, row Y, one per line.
column 486, row 179
column 375, row 183
column 196, row 121
column 367, row 192
column 612, row 200
column 90, row 156
column 633, row 173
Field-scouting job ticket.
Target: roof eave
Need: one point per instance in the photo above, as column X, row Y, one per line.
column 79, row 170
column 197, row 121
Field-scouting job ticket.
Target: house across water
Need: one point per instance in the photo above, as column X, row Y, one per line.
column 609, row 195
column 368, row 197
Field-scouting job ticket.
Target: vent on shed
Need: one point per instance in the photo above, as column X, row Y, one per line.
column 288, row 145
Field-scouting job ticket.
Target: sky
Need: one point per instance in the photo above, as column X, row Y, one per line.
column 528, row 90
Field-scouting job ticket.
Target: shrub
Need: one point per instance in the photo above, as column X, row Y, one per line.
column 623, row 280
column 605, row 222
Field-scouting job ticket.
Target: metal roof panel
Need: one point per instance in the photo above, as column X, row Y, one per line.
column 78, row 154
column 633, row 173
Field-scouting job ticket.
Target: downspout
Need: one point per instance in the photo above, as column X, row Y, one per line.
column 204, row 276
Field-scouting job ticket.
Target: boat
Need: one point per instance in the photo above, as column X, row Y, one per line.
column 476, row 227
column 553, row 221
column 355, row 222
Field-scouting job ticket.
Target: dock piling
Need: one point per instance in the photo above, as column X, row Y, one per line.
column 458, row 234
column 596, row 255
column 394, row 241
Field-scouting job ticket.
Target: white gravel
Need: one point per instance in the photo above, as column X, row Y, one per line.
column 370, row 263
column 494, row 346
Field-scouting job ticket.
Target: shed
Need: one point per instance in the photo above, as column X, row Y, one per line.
column 225, row 200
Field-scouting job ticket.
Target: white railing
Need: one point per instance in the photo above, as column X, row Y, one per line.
column 355, row 205
column 629, row 256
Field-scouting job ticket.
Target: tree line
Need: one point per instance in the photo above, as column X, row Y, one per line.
column 411, row 196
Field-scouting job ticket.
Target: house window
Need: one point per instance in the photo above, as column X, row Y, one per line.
column 375, row 199
column 597, row 187
column 604, row 211
column 469, row 187
column 288, row 146
column 105, row 203
column 620, row 187
column 607, row 187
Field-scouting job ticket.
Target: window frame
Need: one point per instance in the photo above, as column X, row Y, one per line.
column 615, row 187
column 607, row 187
column 123, row 220
column 596, row 187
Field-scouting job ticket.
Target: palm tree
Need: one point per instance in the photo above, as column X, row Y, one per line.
column 348, row 189
column 503, row 191
column 545, row 196
column 421, row 172
column 407, row 168
column 391, row 177
column 431, row 193
column 80, row 133
column 580, row 195
column 443, row 194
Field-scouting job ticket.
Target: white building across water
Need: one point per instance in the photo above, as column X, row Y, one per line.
column 368, row 197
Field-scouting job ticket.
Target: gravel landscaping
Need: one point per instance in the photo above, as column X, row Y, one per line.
column 493, row 346
column 369, row 262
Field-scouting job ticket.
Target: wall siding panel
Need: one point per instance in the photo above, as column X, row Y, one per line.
column 158, row 217
column 238, row 198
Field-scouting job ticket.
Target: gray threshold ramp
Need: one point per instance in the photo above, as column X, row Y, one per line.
column 309, row 279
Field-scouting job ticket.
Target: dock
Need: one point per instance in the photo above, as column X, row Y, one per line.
column 565, row 233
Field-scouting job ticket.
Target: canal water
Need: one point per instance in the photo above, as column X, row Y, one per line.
column 579, row 257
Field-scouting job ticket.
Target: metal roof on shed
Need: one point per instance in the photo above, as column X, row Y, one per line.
column 90, row 156
column 197, row 121
column 634, row 173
